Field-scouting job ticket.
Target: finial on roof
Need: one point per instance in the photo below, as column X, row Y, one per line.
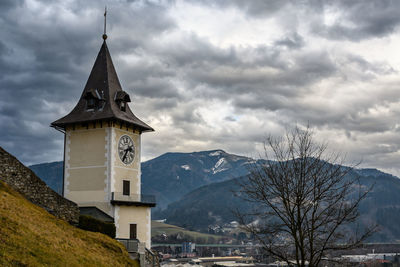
column 105, row 22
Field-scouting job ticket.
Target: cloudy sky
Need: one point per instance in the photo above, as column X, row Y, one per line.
column 209, row 74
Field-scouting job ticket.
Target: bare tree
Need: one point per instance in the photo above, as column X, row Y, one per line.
column 304, row 200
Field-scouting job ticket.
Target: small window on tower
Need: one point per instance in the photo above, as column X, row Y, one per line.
column 102, row 101
column 91, row 103
column 122, row 98
column 133, row 231
column 92, row 98
column 126, row 187
column 123, row 106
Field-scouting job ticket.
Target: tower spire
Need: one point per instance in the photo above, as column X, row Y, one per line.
column 105, row 23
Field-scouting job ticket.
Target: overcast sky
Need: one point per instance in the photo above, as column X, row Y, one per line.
column 209, row 74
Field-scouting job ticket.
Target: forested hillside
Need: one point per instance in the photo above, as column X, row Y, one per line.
column 195, row 190
column 213, row 205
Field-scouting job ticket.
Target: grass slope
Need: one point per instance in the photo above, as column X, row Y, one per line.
column 158, row 228
column 29, row 236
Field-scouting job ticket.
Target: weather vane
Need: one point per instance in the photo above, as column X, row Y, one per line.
column 105, row 22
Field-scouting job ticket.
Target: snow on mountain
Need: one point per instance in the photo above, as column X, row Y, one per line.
column 216, row 153
column 219, row 166
column 186, row 167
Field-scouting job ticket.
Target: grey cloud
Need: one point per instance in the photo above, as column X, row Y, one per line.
column 159, row 104
column 357, row 20
column 194, row 51
column 186, row 114
column 230, row 118
column 254, row 101
column 46, row 59
column 288, row 81
column 6, row 5
column 4, row 50
column 260, row 7
column 292, row 41
column 156, row 88
column 257, row 8
column 351, row 119
column 361, row 19
column 238, row 76
column 147, row 79
column 27, row 140
column 138, row 25
column 377, row 68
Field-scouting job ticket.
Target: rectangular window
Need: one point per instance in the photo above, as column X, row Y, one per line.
column 126, row 187
column 133, row 231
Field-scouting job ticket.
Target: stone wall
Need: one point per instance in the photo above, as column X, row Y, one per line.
column 24, row 181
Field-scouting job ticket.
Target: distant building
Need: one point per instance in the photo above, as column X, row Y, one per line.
column 188, row 249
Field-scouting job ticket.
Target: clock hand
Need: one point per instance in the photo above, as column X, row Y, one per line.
column 126, row 151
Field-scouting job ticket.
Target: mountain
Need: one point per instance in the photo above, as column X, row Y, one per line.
column 33, row 237
column 51, row 173
column 195, row 189
column 171, row 175
column 208, row 205
column 213, row 205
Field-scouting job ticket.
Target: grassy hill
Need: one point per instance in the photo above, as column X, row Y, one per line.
column 30, row 236
column 158, row 228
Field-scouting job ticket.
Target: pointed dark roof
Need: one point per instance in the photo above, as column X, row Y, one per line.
column 104, row 86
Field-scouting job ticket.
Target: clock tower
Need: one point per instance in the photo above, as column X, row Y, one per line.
column 102, row 149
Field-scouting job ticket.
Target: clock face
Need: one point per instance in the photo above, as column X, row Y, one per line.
column 126, row 149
